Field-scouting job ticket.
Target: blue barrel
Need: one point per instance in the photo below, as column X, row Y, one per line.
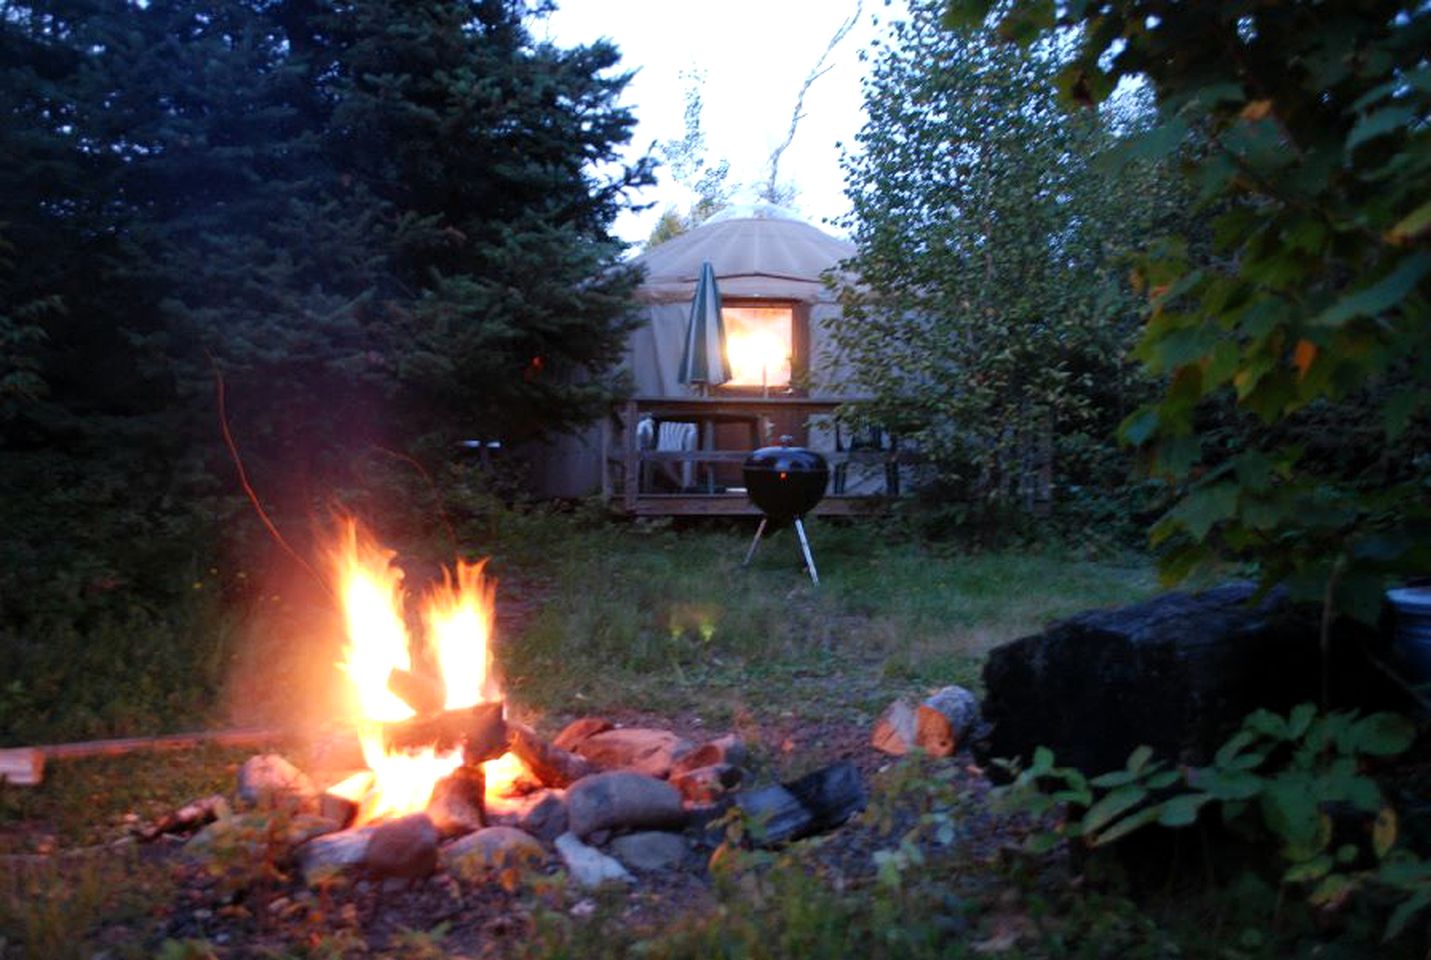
column 1413, row 631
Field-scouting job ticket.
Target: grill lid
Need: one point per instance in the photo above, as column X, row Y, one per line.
column 785, row 481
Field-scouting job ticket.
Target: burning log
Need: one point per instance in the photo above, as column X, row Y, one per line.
column 480, row 730
column 552, row 766
column 425, row 694
column 456, row 804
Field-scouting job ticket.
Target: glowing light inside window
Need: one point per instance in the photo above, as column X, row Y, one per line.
column 759, row 342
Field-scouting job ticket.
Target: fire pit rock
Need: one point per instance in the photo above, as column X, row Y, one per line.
column 578, row 730
column 650, row 850
column 622, row 800
column 257, row 834
column 405, row 848
column 651, row 752
column 728, row 749
column 707, row 785
column 491, row 850
column 587, row 865
column 333, row 854
column 270, row 780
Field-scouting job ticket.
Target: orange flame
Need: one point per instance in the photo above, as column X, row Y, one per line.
column 458, row 618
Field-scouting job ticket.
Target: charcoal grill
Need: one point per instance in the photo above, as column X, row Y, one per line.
column 785, row 483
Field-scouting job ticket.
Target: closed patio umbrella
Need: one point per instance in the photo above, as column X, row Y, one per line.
column 703, row 361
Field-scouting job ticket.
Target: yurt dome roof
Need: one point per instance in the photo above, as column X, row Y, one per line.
column 758, row 250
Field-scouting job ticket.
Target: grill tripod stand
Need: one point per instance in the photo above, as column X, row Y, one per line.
column 804, row 547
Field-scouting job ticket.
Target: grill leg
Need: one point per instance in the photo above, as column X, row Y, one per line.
column 805, row 549
column 756, row 542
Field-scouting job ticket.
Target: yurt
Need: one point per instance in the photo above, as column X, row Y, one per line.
column 777, row 309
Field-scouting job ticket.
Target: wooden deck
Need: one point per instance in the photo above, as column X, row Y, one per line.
column 728, row 429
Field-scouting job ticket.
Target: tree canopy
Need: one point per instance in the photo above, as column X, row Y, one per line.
column 992, row 314
column 377, row 224
column 1296, row 352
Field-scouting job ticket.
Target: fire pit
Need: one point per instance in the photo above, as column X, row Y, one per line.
column 786, row 482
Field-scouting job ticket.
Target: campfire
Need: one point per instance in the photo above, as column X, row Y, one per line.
column 428, row 707
column 452, row 785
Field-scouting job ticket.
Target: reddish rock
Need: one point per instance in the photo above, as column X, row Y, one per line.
column 404, row 848
column 652, row 752
column 728, row 749
column 706, row 785
column 578, row 730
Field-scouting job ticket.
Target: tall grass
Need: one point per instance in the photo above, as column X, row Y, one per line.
column 654, row 617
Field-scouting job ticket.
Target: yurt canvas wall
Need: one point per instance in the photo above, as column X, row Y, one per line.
column 766, row 262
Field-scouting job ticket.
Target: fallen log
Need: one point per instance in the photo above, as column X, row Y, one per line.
column 24, row 766
column 552, row 766
column 480, row 731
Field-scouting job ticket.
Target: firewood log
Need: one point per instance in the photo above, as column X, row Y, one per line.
column 480, row 730
column 423, row 693
column 552, row 766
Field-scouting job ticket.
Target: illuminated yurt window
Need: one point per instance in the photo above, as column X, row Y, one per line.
column 760, row 345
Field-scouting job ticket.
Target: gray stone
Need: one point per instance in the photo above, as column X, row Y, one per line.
column 487, row 852
column 588, row 866
column 545, row 816
column 650, row 850
column 267, row 780
column 622, row 800
column 325, row 857
column 405, row 847
column 652, row 752
column 832, row 794
column 257, row 834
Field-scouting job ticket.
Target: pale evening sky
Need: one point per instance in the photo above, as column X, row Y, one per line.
column 755, row 55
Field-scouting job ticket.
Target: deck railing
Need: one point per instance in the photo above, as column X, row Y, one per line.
column 645, row 480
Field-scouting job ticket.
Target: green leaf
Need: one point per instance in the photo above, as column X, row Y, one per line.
column 1413, row 225
column 1139, row 758
column 1206, row 506
column 1115, row 778
column 961, row 14
column 1313, row 869
column 1383, row 735
column 1379, row 123
column 1289, row 809
column 1399, row 410
column 1300, row 719
column 1235, row 744
column 1126, row 826
column 1403, row 913
column 1380, row 296
column 1139, row 426
column 1383, row 832
column 1182, row 810
column 1112, row 805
